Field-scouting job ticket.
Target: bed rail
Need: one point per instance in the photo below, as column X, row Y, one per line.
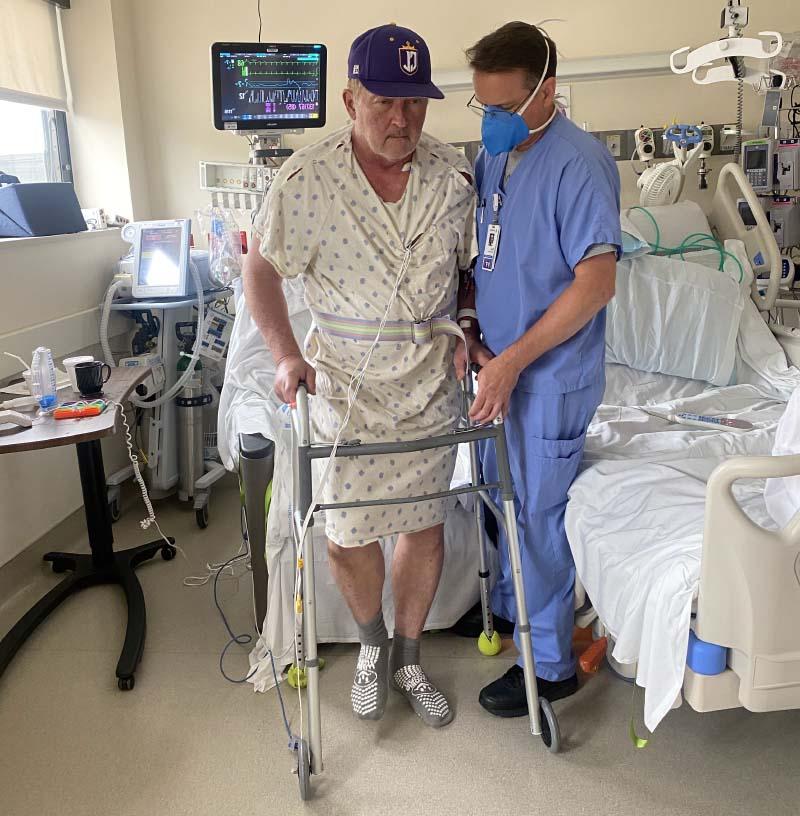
column 759, row 240
column 749, row 598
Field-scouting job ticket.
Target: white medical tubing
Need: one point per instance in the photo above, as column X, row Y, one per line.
column 104, row 318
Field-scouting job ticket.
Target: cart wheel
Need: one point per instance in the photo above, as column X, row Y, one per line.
column 58, row 566
column 304, row 770
column 202, row 517
column 297, row 677
column 490, row 647
column 126, row 683
column 168, row 552
column 551, row 733
column 114, row 508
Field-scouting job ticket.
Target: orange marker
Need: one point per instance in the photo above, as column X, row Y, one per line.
column 78, row 410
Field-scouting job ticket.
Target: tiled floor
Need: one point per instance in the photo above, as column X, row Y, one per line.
column 184, row 741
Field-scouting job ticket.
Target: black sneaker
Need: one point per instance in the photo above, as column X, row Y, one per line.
column 470, row 624
column 505, row 697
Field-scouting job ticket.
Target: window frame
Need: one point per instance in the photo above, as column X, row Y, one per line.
column 57, row 153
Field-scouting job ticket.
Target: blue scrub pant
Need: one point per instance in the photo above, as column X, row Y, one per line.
column 546, row 434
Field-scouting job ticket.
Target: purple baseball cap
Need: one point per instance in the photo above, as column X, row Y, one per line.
column 392, row 61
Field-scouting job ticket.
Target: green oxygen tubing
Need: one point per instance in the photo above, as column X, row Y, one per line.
column 695, row 241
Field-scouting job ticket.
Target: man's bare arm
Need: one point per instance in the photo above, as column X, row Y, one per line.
column 265, row 300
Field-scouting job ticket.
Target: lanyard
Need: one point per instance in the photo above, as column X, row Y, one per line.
column 497, row 204
column 492, row 235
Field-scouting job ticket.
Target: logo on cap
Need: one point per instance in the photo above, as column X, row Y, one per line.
column 408, row 58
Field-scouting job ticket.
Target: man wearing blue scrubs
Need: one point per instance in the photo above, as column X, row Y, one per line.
column 549, row 234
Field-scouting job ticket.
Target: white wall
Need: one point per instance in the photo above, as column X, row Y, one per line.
column 172, row 43
column 104, row 120
column 54, row 286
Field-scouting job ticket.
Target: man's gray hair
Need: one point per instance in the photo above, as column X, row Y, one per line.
column 354, row 86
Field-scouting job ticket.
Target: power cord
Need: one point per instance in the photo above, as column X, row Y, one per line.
column 259, row 19
column 137, row 475
column 244, row 639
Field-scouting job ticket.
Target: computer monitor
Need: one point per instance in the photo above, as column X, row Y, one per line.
column 161, row 259
column 268, row 86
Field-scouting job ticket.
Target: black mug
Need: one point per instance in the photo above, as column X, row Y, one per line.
column 90, row 379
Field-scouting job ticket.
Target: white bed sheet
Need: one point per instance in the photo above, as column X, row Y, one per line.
column 635, row 516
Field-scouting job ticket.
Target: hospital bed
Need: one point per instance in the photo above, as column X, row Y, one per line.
column 690, row 578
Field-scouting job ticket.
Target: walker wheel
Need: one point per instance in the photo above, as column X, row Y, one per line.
column 168, row 552
column 297, row 677
column 492, row 647
column 551, row 733
column 304, row 769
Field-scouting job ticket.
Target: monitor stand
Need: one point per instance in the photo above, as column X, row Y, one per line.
column 267, row 145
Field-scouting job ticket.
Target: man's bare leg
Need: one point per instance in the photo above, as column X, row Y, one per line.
column 360, row 573
column 416, row 570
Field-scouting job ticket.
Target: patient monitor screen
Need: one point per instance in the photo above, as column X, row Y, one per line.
column 259, row 86
column 160, row 256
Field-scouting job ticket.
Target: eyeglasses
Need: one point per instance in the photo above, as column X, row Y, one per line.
column 481, row 110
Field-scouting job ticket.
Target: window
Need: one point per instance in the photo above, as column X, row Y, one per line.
column 33, row 143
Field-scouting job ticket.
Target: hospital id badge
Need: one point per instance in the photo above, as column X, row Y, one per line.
column 490, row 251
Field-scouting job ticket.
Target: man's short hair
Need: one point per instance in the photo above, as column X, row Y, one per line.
column 512, row 46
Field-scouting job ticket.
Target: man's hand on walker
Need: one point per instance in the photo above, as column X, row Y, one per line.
column 478, row 353
column 291, row 371
column 496, row 380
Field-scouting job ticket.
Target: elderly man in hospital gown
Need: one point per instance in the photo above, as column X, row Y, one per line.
column 549, row 235
column 377, row 206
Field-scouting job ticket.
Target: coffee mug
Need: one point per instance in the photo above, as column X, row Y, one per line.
column 69, row 364
column 90, row 377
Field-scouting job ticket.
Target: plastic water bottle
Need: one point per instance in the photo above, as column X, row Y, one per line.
column 43, row 379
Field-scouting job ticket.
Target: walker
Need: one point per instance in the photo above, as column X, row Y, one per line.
column 543, row 722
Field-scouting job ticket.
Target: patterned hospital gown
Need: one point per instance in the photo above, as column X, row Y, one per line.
column 322, row 220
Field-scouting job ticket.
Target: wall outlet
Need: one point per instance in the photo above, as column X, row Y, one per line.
column 613, row 144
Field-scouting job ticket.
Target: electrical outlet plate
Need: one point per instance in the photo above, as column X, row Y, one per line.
column 613, row 143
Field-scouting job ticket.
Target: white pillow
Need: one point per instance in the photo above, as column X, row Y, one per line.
column 676, row 222
column 674, row 317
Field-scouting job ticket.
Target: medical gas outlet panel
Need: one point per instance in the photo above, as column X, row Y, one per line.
column 247, row 182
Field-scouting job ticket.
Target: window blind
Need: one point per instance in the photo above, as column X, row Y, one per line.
column 31, row 68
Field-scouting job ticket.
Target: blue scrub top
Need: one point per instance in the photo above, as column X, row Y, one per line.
column 562, row 198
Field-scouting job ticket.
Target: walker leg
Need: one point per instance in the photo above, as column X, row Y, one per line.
column 489, row 642
column 312, row 660
column 523, row 622
column 306, row 606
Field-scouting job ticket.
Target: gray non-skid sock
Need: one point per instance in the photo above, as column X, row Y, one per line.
column 371, row 681
column 409, row 678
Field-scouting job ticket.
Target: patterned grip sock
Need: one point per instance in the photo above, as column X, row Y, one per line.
column 409, row 678
column 371, row 682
